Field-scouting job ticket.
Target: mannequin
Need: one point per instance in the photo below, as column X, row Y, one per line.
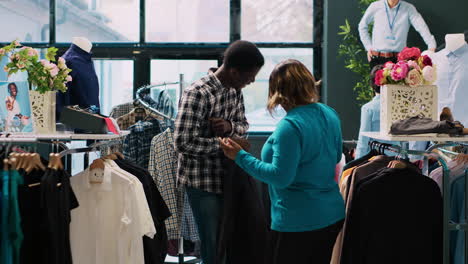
column 83, row 43
column 83, row 90
column 452, row 80
column 454, row 41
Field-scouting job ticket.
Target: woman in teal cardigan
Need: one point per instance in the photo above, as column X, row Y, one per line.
column 298, row 163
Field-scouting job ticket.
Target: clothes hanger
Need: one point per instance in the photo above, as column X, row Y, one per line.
column 55, row 162
column 34, row 162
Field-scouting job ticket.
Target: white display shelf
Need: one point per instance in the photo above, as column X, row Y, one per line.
column 23, row 137
column 429, row 137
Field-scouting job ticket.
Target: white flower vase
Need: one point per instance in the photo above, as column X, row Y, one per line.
column 398, row 102
column 43, row 111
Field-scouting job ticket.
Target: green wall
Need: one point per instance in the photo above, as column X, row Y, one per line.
column 448, row 16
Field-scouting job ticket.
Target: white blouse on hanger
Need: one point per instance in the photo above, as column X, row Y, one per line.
column 111, row 219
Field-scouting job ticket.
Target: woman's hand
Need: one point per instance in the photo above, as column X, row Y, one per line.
column 229, row 147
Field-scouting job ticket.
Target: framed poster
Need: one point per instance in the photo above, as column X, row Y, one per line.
column 15, row 108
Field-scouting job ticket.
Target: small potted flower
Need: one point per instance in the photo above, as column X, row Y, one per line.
column 45, row 78
column 407, row 88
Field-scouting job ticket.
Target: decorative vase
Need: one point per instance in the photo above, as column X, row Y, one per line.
column 43, row 111
column 398, row 102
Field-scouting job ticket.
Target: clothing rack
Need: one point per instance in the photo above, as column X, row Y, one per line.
column 404, row 151
column 139, row 96
column 146, row 90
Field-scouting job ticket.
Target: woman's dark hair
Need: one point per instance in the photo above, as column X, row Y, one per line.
column 10, row 85
column 243, row 56
column 374, row 70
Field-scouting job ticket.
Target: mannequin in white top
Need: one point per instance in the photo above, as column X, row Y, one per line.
column 454, row 41
column 83, row 43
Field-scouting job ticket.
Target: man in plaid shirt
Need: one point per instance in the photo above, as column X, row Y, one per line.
column 213, row 107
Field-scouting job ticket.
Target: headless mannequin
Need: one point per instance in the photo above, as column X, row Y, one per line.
column 83, row 90
column 454, row 41
column 83, row 43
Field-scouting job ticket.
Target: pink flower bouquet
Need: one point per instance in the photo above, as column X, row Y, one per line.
column 411, row 69
column 43, row 74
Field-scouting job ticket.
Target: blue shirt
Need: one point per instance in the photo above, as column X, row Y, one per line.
column 401, row 17
column 370, row 122
column 83, row 90
column 298, row 164
column 452, row 81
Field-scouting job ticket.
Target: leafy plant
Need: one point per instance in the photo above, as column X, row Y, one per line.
column 44, row 74
column 355, row 56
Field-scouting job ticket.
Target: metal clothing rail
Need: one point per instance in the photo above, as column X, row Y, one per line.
column 146, row 89
column 448, row 225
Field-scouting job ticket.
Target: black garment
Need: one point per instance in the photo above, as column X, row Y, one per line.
column 394, row 217
column 376, row 60
column 45, row 217
column 311, row 247
column 57, row 202
column 34, row 246
column 83, row 90
column 244, row 234
column 361, row 160
column 155, row 249
column 416, row 125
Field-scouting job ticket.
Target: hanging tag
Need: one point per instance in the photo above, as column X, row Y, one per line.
column 96, row 175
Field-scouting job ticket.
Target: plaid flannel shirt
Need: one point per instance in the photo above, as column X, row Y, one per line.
column 137, row 144
column 200, row 157
column 121, row 109
column 130, row 119
column 163, row 169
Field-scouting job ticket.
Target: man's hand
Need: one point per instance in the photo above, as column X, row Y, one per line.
column 220, row 126
column 369, row 55
column 244, row 143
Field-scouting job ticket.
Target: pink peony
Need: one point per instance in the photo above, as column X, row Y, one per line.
column 389, row 65
column 69, row 78
column 427, row 61
column 414, row 65
column 429, row 74
column 399, row 71
column 54, row 70
column 2, row 52
column 61, row 63
column 32, row 52
column 414, row 78
column 379, row 78
column 409, row 54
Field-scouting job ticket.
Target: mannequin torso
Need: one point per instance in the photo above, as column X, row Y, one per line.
column 454, row 41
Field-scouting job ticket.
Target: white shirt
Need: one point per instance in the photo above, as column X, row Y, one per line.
column 452, row 81
column 107, row 226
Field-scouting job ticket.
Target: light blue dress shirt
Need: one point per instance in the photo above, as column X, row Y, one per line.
column 452, row 81
column 401, row 17
column 298, row 164
column 370, row 122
